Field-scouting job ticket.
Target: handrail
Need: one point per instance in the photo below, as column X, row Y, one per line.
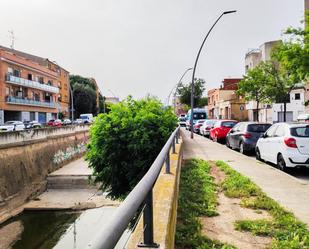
column 108, row 236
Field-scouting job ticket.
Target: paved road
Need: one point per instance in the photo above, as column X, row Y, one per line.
column 292, row 193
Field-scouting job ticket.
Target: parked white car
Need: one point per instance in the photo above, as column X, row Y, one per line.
column 67, row 121
column 207, row 126
column 285, row 144
column 12, row 126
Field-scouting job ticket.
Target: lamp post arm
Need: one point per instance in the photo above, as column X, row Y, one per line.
column 194, row 68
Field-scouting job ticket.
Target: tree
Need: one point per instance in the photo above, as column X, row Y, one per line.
column 125, row 142
column 293, row 53
column 84, row 99
column 84, row 93
column 203, row 102
column 279, row 84
column 185, row 92
column 253, row 86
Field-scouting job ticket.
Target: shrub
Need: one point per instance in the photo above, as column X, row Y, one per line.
column 125, row 142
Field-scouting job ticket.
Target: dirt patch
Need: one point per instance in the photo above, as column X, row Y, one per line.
column 221, row 227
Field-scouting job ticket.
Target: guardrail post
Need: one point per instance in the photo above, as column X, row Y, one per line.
column 167, row 163
column 148, row 223
column 174, row 145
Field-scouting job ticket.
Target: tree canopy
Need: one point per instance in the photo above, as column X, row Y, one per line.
column 184, row 91
column 84, row 93
column 125, row 142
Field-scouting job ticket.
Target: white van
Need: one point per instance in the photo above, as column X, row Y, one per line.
column 87, row 118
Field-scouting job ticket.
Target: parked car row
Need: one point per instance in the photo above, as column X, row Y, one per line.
column 283, row 144
column 19, row 125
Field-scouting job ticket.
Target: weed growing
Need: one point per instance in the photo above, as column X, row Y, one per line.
column 286, row 230
column 197, row 197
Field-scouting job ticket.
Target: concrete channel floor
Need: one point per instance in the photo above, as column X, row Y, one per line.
column 288, row 191
column 75, row 197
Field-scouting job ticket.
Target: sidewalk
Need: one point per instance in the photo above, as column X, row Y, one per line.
column 289, row 192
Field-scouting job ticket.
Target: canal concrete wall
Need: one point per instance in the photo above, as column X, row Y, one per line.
column 165, row 199
column 27, row 157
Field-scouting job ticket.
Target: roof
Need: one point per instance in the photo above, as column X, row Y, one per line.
column 40, row 60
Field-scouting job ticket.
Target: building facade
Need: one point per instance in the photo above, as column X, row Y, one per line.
column 31, row 87
column 273, row 113
column 224, row 103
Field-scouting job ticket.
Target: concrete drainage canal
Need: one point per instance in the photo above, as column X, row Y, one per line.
column 60, row 217
column 55, row 229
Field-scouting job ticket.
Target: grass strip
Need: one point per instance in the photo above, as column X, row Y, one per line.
column 287, row 231
column 197, row 197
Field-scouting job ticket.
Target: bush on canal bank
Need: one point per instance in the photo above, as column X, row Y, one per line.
column 125, row 142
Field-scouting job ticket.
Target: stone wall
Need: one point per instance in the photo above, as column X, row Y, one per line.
column 26, row 158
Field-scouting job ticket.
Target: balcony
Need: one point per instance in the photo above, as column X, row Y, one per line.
column 19, row 101
column 31, row 84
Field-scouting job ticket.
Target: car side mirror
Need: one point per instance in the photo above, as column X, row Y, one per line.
column 232, row 131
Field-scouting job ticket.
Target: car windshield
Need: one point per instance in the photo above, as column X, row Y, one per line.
column 300, row 131
column 258, row 127
column 201, row 121
column 84, row 117
column 228, row 124
column 182, row 119
column 9, row 122
column 199, row 115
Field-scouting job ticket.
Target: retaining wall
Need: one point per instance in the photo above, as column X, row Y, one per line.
column 165, row 199
column 26, row 158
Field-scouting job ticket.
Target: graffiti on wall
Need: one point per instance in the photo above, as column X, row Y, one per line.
column 68, row 153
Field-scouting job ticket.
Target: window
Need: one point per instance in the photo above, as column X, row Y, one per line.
column 10, row 71
column 228, row 124
column 300, row 131
column 297, row 96
column 258, row 127
column 280, row 132
column 50, row 82
column 41, row 79
column 16, row 73
column 29, row 76
column 270, row 132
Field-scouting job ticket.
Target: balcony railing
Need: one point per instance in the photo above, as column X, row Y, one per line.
column 29, row 83
column 19, row 101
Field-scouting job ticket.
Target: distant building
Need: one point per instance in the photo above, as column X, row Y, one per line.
column 31, row 87
column 274, row 112
column 112, row 100
column 252, row 59
column 224, row 103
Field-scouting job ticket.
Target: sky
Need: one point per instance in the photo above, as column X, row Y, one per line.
column 141, row 47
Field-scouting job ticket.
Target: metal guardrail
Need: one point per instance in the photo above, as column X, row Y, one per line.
column 30, row 83
column 108, row 236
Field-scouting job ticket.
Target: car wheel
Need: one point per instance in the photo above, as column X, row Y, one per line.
column 258, row 154
column 281, row 163
column 241, row 148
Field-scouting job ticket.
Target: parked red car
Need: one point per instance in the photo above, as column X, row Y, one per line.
column 221, row 128
column 54, row 123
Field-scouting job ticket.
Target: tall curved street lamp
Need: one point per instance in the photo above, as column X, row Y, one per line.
column 196, row 60
column 183, row 75
column 176, row 87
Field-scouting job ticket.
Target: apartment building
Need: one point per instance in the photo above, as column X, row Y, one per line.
column 31, row 87
column 274, row 112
